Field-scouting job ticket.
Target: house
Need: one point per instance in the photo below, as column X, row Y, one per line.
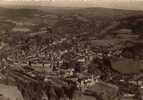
column 122, row 31
column 129, row 95
column 21, row 29
column 82, row 60
column 127, row 36
column 106, row 90
column 139, row 80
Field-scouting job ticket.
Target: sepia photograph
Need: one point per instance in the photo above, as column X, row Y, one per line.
column 71, row 49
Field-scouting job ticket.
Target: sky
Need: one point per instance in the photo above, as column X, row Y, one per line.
column 121, row 4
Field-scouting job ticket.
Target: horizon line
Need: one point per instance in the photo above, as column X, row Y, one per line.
column 135, row 5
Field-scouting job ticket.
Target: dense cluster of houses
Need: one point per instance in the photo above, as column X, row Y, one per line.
column 71, row 58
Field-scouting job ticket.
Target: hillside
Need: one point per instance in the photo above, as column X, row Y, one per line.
column 60, row 47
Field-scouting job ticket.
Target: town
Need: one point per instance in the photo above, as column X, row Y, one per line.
column 71, row 56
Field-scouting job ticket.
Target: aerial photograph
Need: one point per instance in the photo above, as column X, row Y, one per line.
column 71, row 50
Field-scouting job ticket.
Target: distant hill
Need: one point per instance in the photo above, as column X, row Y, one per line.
column 100, row 22
column 93, row 20
column 11, row 13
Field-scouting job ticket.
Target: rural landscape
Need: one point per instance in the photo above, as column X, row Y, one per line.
column 63, row 53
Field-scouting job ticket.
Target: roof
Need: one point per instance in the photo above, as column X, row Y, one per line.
column 123, row 31
column 37, row 33
column 21, row 29
column 104, row 43
column 128, row 36
column 138, row 77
